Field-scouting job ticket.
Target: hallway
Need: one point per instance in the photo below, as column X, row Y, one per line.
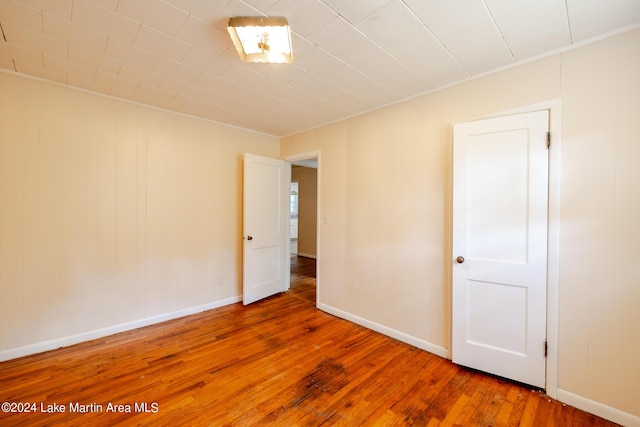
column 303, row 278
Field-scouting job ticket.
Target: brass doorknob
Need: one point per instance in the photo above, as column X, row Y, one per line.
column 460, row 259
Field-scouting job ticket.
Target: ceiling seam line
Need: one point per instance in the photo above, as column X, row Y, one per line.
column 566, row 12
column 343, row 63
column 314, row 96
column 330, row 54
column 333, row 104
column 251, row 7
column 340, row 60
column 436, row 39
column 377, row 45
column 495, row 24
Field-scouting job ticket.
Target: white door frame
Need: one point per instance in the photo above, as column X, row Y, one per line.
column 553, row 261
column 308, row 156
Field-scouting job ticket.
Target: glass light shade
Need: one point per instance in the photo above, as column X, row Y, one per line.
column 261, row 39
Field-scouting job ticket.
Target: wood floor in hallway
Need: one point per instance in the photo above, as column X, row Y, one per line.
column 303, row 278
column 278, row 362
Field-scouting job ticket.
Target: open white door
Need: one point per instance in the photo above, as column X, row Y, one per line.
column 265, row 227
column 500, row 246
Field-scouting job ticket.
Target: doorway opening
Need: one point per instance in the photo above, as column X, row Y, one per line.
column 303, row 220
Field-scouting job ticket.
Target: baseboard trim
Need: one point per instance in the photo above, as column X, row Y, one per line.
column 599, row 409
column 40, row 347
column 385, row 330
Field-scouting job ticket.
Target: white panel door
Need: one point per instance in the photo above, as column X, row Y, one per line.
column 265, row 227
column 500, row 200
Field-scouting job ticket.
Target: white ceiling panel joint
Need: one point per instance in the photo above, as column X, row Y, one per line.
column 349, row 56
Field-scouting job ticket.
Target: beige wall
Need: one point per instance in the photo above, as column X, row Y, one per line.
column 384, row 253
column 111, row 213
column 307, row 179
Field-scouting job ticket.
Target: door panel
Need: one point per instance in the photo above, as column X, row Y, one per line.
column 265, row 225
column 505, row 331
column 500, row 231
column 496, row 218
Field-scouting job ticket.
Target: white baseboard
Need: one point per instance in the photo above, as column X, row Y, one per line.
column 599, row 409
column 593, row 407
column 39, row 347
column 385, row 330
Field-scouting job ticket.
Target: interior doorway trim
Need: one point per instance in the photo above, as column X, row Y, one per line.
column 310, row 155
column 553, row 252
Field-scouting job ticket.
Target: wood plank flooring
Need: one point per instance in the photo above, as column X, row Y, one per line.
column 303, row 278
column 278, row 362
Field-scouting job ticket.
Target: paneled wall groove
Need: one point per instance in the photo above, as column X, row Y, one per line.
column 103, row 220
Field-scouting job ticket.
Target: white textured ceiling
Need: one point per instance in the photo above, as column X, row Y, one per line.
column 350, row 56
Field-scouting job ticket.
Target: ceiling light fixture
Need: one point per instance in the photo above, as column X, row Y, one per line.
column 261, row 39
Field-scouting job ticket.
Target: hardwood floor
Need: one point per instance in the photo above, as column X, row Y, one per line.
column 278, row 362
column 303, row 278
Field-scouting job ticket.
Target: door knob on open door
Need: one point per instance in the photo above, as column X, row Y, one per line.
column 460, row 259
column 249, row 237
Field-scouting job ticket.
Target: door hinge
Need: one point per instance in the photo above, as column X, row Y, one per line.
column 548, row 139
column 546, row 348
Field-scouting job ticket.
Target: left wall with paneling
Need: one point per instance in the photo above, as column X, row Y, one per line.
column 112, row 215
